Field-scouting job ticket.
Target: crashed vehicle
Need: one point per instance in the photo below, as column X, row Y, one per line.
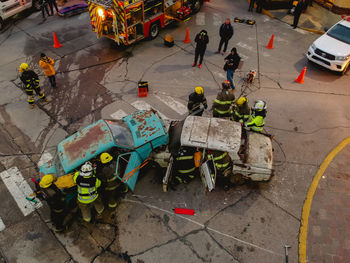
column 250, row 152
column 133, row 139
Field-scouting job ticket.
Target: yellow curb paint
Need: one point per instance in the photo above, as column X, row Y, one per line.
column 316, row 31
column 265, row 12
column 310, row 195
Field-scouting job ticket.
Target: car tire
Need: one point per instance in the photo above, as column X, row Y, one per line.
column 345, row 69
column 36, row 5
column 196, row 6
column 154, row 30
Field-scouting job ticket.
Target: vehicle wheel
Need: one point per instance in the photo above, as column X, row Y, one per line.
column 2, row 24
column 36, row 5
column 345, row 69
column 154, row 30
column 196, row 6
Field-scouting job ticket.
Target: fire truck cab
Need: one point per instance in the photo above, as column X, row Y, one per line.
column 129, row 21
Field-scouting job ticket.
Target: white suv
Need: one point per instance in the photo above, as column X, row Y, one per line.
column 9, row 8
column 332, row 49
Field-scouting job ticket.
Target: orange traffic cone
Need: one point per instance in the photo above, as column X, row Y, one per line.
column 187, row 37
column 270, row 44
column 300, row 78
column 56, row 44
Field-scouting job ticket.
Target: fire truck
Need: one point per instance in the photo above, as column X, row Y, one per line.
column 130, row 21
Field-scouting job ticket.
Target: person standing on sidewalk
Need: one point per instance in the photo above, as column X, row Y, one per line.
column 226, row 33
column 52, row 3
column 298, row 10
column 231, row 64
column 43, row 7
column 46, row 64
column 202, row 41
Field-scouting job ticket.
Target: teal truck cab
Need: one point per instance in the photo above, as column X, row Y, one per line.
column 134, row 137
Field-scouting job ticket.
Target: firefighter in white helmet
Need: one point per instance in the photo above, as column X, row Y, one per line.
column 257, row 119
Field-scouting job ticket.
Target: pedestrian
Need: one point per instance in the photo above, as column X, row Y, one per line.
column 226, row 32
column 259, row 6
column 43, row 7
column 55, row 200
column 184, row 166
column 298, row 10
column 31, row 83
column 52, row 3
column 108, row 178
column 241, row 110
column 202, row 41
column 195, row 100
column 224, row 101
column 46, row 64
column 257, row 119
column 88, row 195
column 231, row 64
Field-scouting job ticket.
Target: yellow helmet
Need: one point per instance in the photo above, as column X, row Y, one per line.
column 241, row 101
column 106, row 158
column 46, row 181
column 23, row 67
column 199, row 90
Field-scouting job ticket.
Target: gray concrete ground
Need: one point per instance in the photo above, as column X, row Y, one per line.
column 250, row 223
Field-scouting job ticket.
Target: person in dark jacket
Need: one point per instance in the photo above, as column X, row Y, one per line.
column 226, row 33
column 231, row 64
column 195, row 100
column 298, row 10
column 202, row 41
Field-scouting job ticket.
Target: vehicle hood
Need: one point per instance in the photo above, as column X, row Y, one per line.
column 47, row 168
column 332, row 46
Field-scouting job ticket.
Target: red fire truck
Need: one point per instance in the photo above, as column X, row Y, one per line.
column 132, row 20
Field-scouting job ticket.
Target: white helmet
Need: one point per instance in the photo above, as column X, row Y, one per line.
column 86, row 169
column 260, row 105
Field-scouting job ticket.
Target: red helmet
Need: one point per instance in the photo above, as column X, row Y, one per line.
column 226, row 84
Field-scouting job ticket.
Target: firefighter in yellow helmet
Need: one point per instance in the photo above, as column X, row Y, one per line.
column 31, row 83
column 241, row 110
column 195, row 100
column 55, row 200
column 224, row 101
column 184, row 165
column 110, row 182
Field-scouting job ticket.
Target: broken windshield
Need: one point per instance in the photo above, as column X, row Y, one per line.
column 121, row 134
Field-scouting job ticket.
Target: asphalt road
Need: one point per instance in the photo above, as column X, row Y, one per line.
column 95, row 79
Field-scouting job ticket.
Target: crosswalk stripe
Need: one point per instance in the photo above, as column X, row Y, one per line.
column 19, row 189
column 142, row 105
column 217, row 19
column 45, row 157
column 173, row 104
column 200, row 19
column 118, row 115
column 2, row 225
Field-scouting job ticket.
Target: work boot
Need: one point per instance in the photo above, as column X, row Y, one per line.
column 223, row 53
column 217, row 52
column 194, row 64
column 200, row 66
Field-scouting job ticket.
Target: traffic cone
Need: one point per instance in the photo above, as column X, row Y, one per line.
column 56, row 44
column 300, row 78
column 270, row 44
column 187, row 37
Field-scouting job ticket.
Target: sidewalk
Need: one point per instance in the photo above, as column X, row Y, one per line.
column 315, row 19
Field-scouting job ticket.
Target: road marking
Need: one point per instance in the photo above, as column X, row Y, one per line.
column 119, row 114
column 217, row 19
column 45, row 157
column 243, row 45
column 19, row 189
column 200, row 19
column 2, row 225
column 173, row 104
column 310, row 195
column 203, row 226
column 141, row 105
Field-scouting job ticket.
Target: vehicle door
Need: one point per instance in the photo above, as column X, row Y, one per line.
column 128, row 168
column 208, row 173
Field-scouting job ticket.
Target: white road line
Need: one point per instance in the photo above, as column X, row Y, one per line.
column 243, row 45
column 141, row 105
column 200, row 19
column 45, row 157
column 2, row 225
column 118, row 115
column 173, row 104
column 217, row 19
column 19, row 189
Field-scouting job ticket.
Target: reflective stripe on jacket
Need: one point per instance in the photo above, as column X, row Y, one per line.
column 223, row 102
column 87, row 188
column 257, row 123
column 221, row 159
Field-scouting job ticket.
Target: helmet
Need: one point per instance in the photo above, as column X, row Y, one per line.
column 46, row 181
column 106, row 158
column 199, row 90
column 259, row 105
column 86, row 169
column 226, row 84
column 23, row 67
column 241, row 101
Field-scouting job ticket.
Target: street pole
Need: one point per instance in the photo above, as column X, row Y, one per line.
column 286, row 252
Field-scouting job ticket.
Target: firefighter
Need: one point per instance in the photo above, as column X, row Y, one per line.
column 257, row 119
column 108, row 178
column 88, row 195
column 184, row 165
column 223, row 102
column 55, row 200
column 241, row 110
column 195, row 100
column 31, row 83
